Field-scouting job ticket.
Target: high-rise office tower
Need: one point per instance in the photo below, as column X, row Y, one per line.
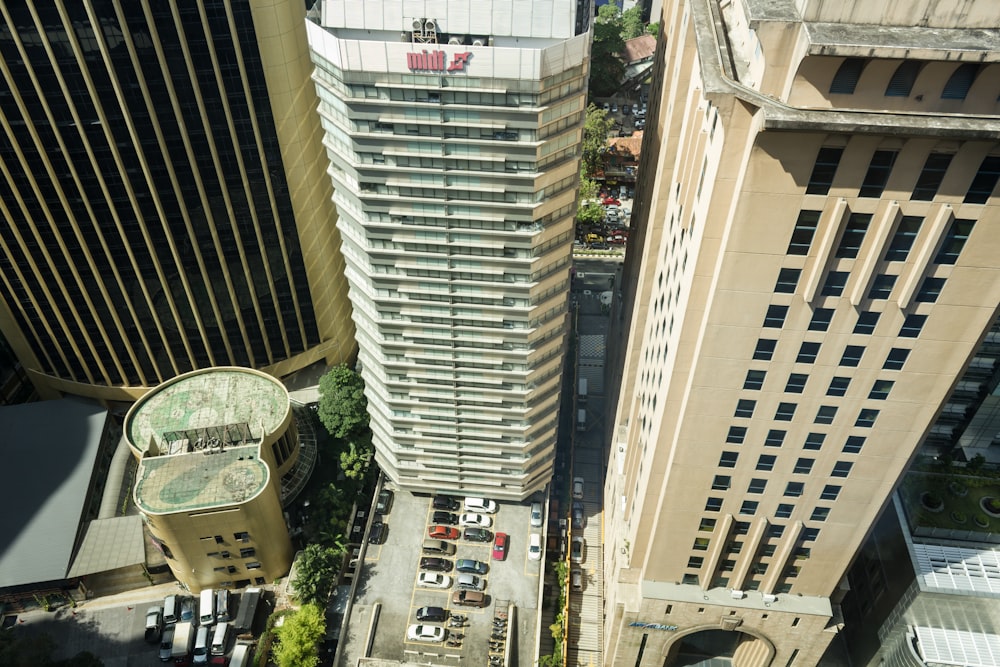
column 453, row 130
column 163, row 201
column 813, row 268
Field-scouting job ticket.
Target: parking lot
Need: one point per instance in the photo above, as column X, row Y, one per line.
column 387, row 596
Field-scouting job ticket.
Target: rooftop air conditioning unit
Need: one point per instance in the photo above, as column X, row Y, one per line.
column 478, row 42
column 770, row 598
column 455, row 40
column 418, row 24
column 429, row 25
column 737, row 595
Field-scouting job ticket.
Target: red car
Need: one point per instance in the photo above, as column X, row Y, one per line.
column 443, row 532
column 611, row 201
column 500, row 546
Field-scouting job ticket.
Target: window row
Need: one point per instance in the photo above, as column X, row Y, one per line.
column 824, row 415
column 821, row 318
column 776, row 438
column 796, row 383
column 764, row 351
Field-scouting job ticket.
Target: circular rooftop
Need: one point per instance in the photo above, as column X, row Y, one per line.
column 207, row 398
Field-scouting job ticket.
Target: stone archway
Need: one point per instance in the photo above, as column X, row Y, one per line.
column 710, row 646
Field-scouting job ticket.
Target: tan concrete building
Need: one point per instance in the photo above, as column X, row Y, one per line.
column 164, row 204
column 812, row 266
column 213, row 446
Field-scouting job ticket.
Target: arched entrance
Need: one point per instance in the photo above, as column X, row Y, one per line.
column 712, row 647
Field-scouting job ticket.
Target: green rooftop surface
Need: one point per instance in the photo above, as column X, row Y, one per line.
column 200, row 480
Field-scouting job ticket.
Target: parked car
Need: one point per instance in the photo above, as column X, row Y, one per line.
column 617, row 239
column 469, row 566
column 611, row 201
column 426, row 633
column 378, row 534
column 473, row 519
column 384, row 503
column 435, row 564
column 445, row 518
column 154, row 624
column 469, row 582
column 614, row 108
column 480, row 505
column 468, row 599
column 640, row 124
column 432, row 614
column 536, row 514
column 578, row 487
column 167, row 644
column 478, row 535
column 577, row 550
column 606, row 106
column 500, row 544
column 635, row 108
column 600, row 246
column 576, row 579
column 187, row 609
column 443, row 532
column 433, row 580
column 579, row 518
column 445, row 503
column 535, row 546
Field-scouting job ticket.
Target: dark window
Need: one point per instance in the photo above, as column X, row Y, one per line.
column 757, row 485
column 804, row 466
column 846, row 79
column 765, row 349
column 954, row 240
column 713, row 505
column 706, row 525
column 931, row 176
column 930, row 290
column 253, row 565
column 985, row 181
column 802, row 236
column 866, row 418
column 695, row 561
column 824, row 170
column 814, row 441
column 912, row 326
column 960, row 81
column 810, row 534
column 903, row 79
column 796, row 383
column 745, row 407
column 902, row 240
column 741, row 527
column 766, row 462
column 878, row 173
column 880, row 390
column 825, row 414
column 838, row 386
column 866, row 322
column 242, row 537
column 219, row 539
column 852, row 355
column 785, row 412
column 853, row 444
column 807, row 353
column 854, row 235
column 749, row 507
column 783, row 511
column 830, row 492
column 788, row 280
column 247, row 552
column 775, row 317
column 736, row 434
column 835, row 283
column 721, row 482
column 882, row 286
column 754, row 379
column 821, row 319
column 842, row 469
column 895, row 359
column 775, row 437
column 794, row 489
column 700, row 544
column 728, row 459
column 820, row 514
column 775, row 531
column 690, row 579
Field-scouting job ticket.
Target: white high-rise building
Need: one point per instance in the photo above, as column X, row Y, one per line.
column 453, row 130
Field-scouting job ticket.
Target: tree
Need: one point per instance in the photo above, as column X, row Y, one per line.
column 342, row 404
column 299, row 637
column 975, row 464
column 653, row 29
column 315, row 573
column 354, row 461
column 632, row 23
column 606, row 67
column 595, row 139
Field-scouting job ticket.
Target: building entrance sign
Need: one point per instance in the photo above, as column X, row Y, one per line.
column 652, row 626
column 434, row 61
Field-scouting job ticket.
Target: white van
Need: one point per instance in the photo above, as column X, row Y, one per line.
column 206, row 607
column 241, row 656
column 220, row 637
column 201, row 646
column 581, row 420
column 171, row 609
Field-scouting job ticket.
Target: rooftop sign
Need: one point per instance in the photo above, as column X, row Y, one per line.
column 434, row 61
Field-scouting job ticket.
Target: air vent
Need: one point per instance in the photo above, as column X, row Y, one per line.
column 478, row 42
column 455, row 41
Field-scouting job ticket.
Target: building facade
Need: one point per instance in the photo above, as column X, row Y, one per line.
column 810, row 271
column 453, row 133
column 163, row 196
column 212, row 446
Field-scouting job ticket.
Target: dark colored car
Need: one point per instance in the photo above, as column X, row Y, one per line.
column 433, row 614
column 378, row 534
column 478, row 535
column 471, row 566
column 445, row 503
column 384, row 503
column 443, row 532
column 600, row 246
column 435, row 564
column 579, row 519
column 445, row 518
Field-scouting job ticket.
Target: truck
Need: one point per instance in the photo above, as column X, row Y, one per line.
column 183, row 640
column 581, row 420
column 247, row 610
column 581, row 394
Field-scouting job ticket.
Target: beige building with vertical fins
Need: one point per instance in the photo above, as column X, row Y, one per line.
column 812, row 267
column 212, row 446
column 164, row 204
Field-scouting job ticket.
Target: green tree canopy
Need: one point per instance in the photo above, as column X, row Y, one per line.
column 299, row 637
column 316, row 572
column 632, row 25
column 595, row 138
column 354, row 461
column 342, row 404
column 606, row 67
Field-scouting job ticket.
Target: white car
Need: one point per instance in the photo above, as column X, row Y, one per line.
column 480, row 505
column 578, row 550
column 536, row 515
column 433, row 580
column 426, row 633
column 477, row 520
column 535, row 546
column 578, row 487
